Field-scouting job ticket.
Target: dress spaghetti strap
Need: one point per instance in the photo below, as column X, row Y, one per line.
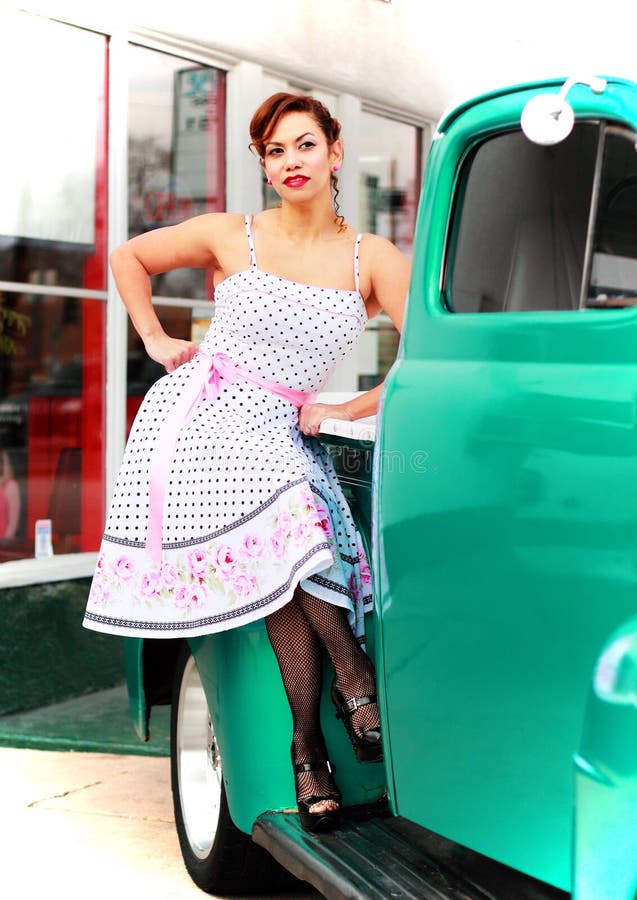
column 253, row 255
column 357, row 246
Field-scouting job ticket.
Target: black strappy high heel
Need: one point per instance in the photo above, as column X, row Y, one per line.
column 317, row 821
column 367, row 746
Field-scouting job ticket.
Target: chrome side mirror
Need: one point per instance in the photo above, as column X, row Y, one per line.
column 548, row 118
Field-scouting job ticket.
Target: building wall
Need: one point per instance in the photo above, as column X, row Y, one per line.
column 409, row 54
column 381, row 51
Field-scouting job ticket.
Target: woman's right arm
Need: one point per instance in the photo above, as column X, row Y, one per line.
column 190, row 244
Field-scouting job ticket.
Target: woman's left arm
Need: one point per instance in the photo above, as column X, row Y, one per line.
column 13, row 501
column 389, row 272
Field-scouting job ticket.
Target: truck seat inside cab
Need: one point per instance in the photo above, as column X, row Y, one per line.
column 547, row 259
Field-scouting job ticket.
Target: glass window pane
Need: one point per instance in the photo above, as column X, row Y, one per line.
column 389, row 190
column 51, row 416
column 389, row 179
column 520, row 224
column 51, row 180
column 613, row 279
column 175, row 152
column 52, row 236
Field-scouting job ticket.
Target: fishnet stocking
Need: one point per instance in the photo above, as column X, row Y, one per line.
column 355, row 676
column 299, row 655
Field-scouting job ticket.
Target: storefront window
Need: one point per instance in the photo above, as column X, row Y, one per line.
column 389, row 179
column 389, row 189
column 52, row 285
column 52, row 377
column 176, row 165
column 49, row 173
column 176, row 152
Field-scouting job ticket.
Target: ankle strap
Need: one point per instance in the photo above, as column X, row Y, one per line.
column 314, row 766
column 353, row 704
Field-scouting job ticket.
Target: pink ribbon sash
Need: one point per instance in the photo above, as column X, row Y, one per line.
column 204, row 384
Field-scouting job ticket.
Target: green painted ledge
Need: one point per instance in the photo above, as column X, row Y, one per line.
column 46, row 656
column 94, row 723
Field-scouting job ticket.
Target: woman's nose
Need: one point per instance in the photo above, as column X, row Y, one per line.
column 291, row 160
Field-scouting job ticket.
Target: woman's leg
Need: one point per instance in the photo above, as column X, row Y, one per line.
column 299, row 655
column 355, row 676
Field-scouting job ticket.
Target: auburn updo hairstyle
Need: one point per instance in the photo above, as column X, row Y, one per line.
column 272, row 110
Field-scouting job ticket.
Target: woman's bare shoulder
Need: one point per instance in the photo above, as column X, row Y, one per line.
column 378, row 243
column 222, row 233
column 378, row 252
column 217, row 224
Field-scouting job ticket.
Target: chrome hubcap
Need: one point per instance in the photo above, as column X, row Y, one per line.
column 198, row 764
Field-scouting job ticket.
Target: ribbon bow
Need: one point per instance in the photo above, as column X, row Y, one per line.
column 221, row 367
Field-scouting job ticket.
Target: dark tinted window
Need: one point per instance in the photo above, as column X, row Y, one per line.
column 613, row 279
column 519, row 231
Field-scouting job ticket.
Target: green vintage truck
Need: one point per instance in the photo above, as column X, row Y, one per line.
column 499, row 503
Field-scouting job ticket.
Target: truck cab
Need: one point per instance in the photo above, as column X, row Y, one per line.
column 497, row 494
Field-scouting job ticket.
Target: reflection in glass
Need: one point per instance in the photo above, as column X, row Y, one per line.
column 389, row 189
column 50, row 105
column 613, row 279
column 50, row 180
column 389, row 179
column 51, row 378
column 52, row 239
column 175, row 152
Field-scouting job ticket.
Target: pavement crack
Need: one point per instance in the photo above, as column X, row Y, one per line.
column 68, row 793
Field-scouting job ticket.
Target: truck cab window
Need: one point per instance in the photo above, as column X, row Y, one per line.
column 613, row 277
column 520, row 224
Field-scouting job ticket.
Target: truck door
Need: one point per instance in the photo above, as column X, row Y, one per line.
column 506, row 466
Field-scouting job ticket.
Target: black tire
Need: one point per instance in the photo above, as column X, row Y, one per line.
column 219, row 857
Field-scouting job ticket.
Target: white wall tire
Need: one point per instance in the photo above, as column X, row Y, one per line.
column 219, row 857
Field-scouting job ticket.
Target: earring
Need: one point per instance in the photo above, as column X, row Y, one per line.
column 269, row 181
column 335, row 168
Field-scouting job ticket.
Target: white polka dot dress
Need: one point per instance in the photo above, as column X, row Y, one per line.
column 249, row 506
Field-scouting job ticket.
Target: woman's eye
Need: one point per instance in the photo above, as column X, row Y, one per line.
column 308, row 144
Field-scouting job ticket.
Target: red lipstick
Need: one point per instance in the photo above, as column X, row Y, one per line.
column 296, row 181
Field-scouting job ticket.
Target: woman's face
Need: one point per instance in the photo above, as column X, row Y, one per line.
column 297, row 158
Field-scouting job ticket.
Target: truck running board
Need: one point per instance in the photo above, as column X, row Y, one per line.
column 389, row 857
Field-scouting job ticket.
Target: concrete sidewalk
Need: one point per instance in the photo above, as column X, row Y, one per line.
column 96, row 825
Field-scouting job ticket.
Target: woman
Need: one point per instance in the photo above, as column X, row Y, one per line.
column 227, row 509
column 9, row 499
